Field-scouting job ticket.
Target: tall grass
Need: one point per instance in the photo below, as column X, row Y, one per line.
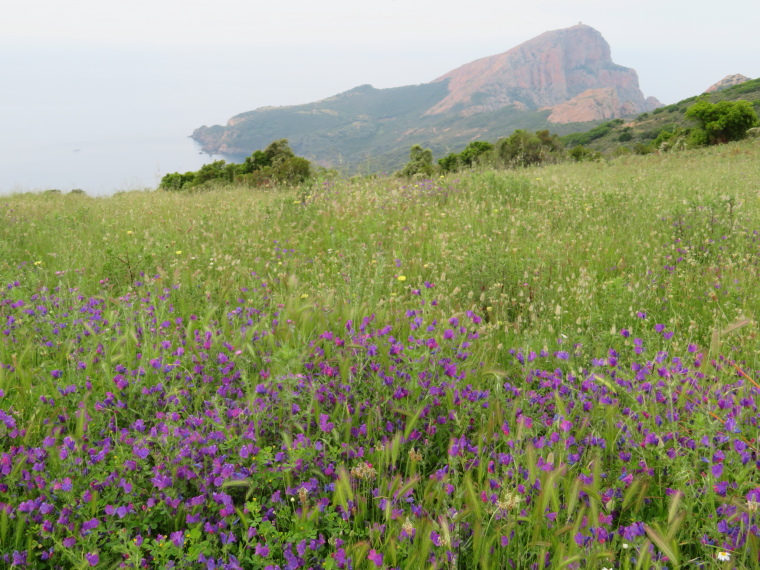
column 544, row 368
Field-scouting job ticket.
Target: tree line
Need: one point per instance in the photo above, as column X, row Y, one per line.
column 715, row 123
column 276, row 164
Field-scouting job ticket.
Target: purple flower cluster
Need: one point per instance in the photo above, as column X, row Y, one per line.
column 153, row 438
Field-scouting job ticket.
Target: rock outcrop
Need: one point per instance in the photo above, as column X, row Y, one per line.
column 598, row 104
column 551, row 69
column 726, row 82
column 550, row 82
column 590, row 105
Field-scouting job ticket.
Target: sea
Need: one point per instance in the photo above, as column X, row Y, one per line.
column 99, row 167
column 108, row 117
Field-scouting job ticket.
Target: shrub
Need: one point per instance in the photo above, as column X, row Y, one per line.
column 420, row 163
column 277, row 163
column 468, row 157
column 449, row 163
column 474, row 151
column 642, row 148
column 293, row 170
column 582, row 154
column 523, row 148
column 723, row 121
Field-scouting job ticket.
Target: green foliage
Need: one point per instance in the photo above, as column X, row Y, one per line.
column 276, row 164
column 467, row 158
column 523, row 148
column 751, row 86
column 217, row 170
column 662, row 140
column 176, row 181
column 582, row 154
column 643, row 148
column 420, row 163
column 449, row 163
column 257, row 161
column 252, row 374
column 596, row 133
column 473, row 151
column 293, row 170
column 723, row 121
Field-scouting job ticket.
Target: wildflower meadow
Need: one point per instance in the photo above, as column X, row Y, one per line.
column 553, row 367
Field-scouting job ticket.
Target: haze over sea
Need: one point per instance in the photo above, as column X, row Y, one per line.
column 106, row 118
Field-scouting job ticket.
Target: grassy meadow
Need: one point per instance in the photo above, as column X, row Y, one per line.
column 544, row 368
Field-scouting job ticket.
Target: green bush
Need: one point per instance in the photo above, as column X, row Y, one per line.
column 723, row 121
column 642, row 148
column 293, row 170
column 596, row 133
column 449, row 163
column 523, row 148
column 420, row 163
column 582, row 154
column 276, row 164
column 468, row 157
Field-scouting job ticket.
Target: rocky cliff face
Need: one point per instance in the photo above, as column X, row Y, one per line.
column 549, row 70
column 590, row 105
column 550, row 82
column 726, row 82
column 598, row 104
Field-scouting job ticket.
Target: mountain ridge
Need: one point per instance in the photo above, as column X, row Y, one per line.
column 562, row 79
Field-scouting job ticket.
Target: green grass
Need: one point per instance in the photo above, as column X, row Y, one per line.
column 494, row 369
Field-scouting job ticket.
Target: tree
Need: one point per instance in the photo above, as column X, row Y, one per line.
column 473, row 151
column 582, row 154
column 256, row 161
column 420, row 162
column 293, row 170
column 723, row 121
column 278, row 151
column 468, row 157
column 523, row 148
column 449, row 163
column 276, row 163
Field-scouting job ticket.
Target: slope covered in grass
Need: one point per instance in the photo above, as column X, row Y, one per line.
column 502, row 369
column 642, row 130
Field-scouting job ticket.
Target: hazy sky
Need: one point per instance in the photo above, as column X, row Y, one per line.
column 677, row 47
column 92, row 75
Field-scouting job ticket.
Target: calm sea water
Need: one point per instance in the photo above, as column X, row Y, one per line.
column 98, row 167
column 105, row 118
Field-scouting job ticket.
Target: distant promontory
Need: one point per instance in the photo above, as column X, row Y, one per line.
column 563, row 80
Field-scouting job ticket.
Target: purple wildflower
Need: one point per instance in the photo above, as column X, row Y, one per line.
column 376, row 557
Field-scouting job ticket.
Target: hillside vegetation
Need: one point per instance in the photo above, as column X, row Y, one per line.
column 533, row 368
column 368, row 130
column 639, row 134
